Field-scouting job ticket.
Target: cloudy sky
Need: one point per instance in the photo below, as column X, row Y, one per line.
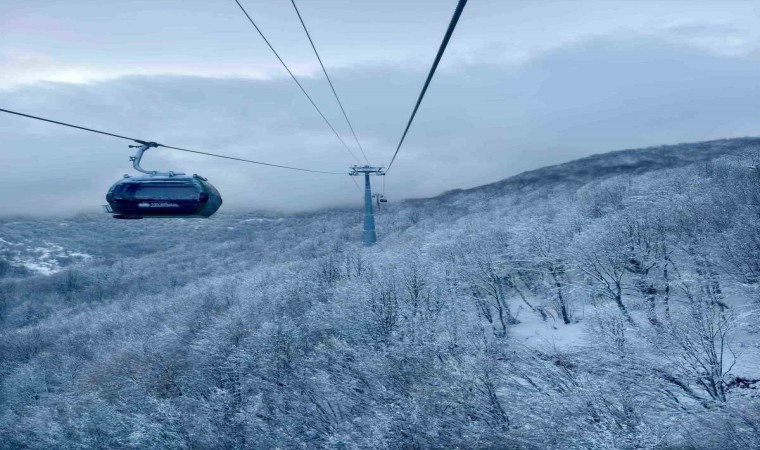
column 524, row 84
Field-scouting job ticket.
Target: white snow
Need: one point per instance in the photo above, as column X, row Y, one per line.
column 261, row 219
column 536, row 333
column 42, row 260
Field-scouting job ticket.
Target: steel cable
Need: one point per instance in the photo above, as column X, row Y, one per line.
column 296, row 80
column 441, row 49
column 140, row 141
column 350, row 126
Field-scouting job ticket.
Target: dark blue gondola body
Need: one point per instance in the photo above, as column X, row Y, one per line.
column 163, row 196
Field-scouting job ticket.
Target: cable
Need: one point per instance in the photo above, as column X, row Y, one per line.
column 329, row 81
column 444, row 43
column 296, row 80
column 166, row 146
column 249, row 161
column 67, row 124
column 356, row 184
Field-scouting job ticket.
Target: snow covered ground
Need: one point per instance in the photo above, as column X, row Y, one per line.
column 45, row 259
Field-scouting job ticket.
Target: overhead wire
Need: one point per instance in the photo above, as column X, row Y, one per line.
column 297, row 82
column 140, row 141
column 335, row 93
column 452, row 25
column 356, row 184
column 441, row 49
column 68, row 125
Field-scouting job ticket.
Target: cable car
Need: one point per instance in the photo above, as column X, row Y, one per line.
column 380, row 198
column 161, row 194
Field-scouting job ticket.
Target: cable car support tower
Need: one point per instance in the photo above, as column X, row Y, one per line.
column 369, row 234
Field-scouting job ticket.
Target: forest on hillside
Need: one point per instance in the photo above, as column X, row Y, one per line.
column 568, row 308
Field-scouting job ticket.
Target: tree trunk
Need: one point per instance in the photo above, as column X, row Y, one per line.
column 621, row 306
column 560, row 298
column 666, row 296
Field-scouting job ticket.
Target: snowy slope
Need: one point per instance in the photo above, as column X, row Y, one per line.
column 483, row 318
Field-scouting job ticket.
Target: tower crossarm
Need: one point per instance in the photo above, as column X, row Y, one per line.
column 366, row 170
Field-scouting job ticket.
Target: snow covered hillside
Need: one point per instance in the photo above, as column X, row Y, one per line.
column 610, row 302
column 42, row 258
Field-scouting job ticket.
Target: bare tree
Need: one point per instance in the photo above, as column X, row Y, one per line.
column 487, row 284
column 699, row 345
column 601, row 254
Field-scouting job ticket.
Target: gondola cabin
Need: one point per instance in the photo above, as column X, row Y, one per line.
column 161, row 194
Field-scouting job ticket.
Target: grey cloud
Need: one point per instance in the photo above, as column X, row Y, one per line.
column 83, row 41
column 479, row 123
column 701, row 29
